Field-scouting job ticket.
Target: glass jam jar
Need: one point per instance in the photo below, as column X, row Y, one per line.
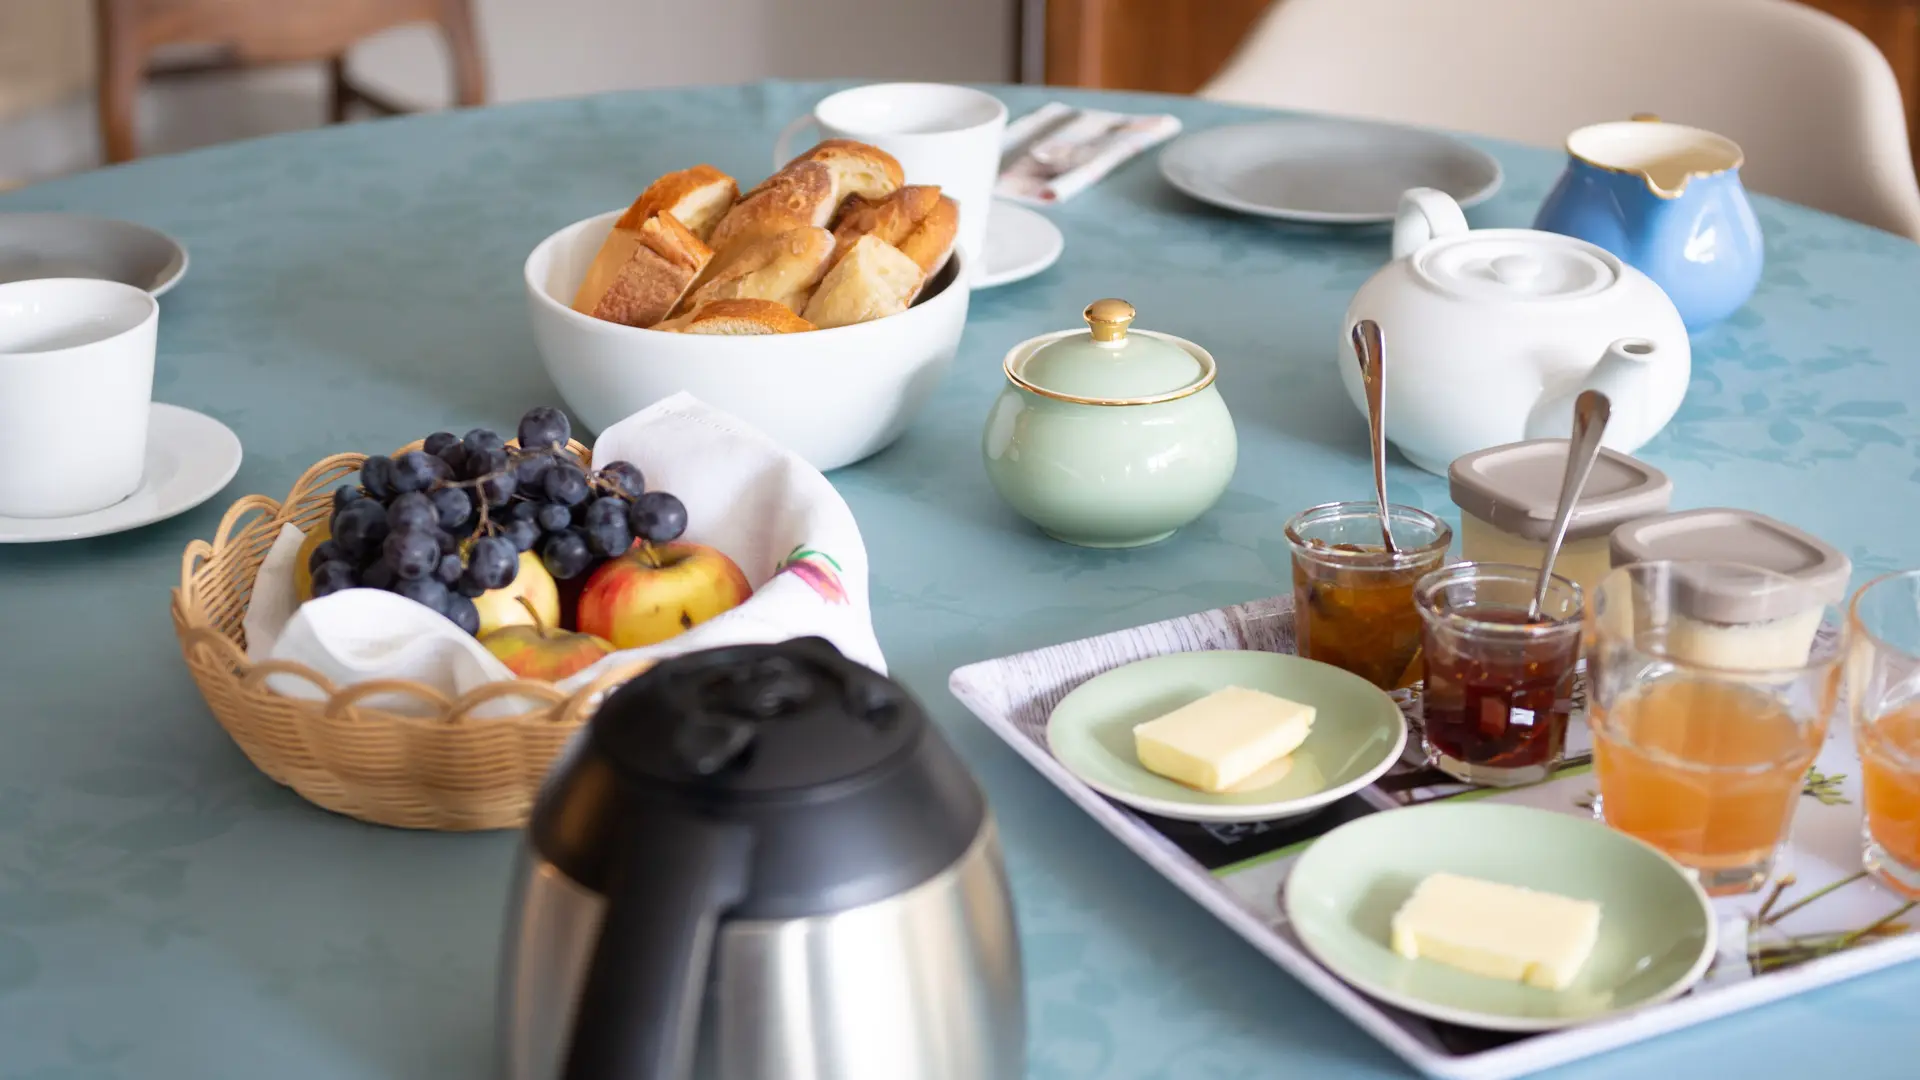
column 1352, row 600
column 1507, row 496
column 1499, row 686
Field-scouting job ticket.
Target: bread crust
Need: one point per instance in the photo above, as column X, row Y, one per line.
column 858, row 168
column 640, row 274
column 798, row 196
column 738, row 317
column 699, row 197
column 872, row 281
column 783, row 268
column 917, row 219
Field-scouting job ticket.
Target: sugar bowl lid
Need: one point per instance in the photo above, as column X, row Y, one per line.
column 1108, row 365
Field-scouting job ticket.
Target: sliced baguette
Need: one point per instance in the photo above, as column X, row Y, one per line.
column 698, row 197
column 783, row 268
column 873, row 280
column 857, row 168
column 917, row 219
column 734, row 318
column 640, row 274
column 798, row 196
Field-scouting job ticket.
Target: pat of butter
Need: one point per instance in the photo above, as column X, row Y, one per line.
column 1500, row 931
column 1223, row 738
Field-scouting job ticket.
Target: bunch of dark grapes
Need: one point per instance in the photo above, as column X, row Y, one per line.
column 443, row 524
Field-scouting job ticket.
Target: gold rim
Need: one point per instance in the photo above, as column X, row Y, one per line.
column 1739, row 160
column 1208, row 371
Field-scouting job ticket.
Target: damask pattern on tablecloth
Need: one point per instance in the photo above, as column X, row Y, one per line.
column 166, row 913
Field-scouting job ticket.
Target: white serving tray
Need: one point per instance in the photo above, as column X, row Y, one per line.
column 1236, row 872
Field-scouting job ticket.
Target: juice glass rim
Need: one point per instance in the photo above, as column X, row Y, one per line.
column 1857, row 626
column 1831, row 658
column 1861, row 635
column 1425, row 601
column 1370, row 560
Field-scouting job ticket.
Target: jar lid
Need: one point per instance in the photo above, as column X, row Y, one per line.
column 1107, row 365
column 1516, row 489
column 1520, row 265
column 1739, row 536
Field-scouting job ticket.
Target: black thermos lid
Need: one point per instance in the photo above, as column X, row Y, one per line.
column 850, row 793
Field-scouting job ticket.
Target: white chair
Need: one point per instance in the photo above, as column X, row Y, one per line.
column 1809, row 99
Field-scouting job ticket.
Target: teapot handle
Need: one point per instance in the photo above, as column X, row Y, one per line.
column 638, row 1016
column 1425, row 214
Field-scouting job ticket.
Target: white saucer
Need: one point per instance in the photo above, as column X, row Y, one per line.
column 190, row 457
column 1020, row 244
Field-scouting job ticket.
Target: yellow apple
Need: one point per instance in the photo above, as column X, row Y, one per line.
column 534, row 650
column 657, row 591
column 502, row 607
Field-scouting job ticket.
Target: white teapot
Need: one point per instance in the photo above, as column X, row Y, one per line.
column 1491, row 334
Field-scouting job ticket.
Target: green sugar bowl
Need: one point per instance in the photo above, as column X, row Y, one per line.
column 1110, row 438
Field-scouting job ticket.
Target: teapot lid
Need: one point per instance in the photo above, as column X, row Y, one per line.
column 1516, row 265
column 1106, row 365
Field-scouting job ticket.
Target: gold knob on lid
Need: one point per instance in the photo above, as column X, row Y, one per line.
column 1109, row 319
column 1645, row 118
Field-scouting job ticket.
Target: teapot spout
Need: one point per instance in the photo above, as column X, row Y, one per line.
column 1624, row 375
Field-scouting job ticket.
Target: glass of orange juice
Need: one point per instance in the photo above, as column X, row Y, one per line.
column 1710, row 687
column 1883, row 687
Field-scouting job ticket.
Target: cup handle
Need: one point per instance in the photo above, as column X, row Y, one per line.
column 782, row 145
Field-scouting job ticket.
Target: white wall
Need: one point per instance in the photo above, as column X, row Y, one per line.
column 534, row 49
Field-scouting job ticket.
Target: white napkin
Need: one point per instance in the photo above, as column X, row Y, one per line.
column 772, row 513
column 1062, row 151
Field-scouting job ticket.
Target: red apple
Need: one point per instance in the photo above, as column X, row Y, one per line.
column 657, row 591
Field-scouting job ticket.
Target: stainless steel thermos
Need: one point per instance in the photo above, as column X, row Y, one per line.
column 759, row 863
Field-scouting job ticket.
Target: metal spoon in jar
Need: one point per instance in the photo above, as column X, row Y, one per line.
column 1371, row 350
column 1591, row 410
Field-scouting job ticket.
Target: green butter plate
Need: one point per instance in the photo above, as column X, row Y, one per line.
column 1357, row 733
column 1656, row 925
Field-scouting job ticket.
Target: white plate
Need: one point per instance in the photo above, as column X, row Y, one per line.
column 1325, row 170
column 1020, row 244
column 190, row 457
column 76, row 245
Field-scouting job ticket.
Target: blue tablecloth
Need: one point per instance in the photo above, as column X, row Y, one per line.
column 167, row 913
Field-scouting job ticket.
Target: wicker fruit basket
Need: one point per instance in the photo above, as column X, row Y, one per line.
column 444, row 769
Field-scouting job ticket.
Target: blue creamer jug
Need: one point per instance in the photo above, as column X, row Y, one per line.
column 1667, row 200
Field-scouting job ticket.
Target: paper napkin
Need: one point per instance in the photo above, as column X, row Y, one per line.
column 1057, row 151
column 772, row 513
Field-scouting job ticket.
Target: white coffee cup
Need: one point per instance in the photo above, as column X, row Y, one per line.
column 940, row 134
column 76, row 386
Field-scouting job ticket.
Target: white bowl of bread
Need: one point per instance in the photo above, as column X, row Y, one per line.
column 822, row 307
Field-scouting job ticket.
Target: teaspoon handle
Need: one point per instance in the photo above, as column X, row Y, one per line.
column 1370, row 348
column 1591, row 412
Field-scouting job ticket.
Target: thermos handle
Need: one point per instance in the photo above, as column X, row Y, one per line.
column 638, row 1016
